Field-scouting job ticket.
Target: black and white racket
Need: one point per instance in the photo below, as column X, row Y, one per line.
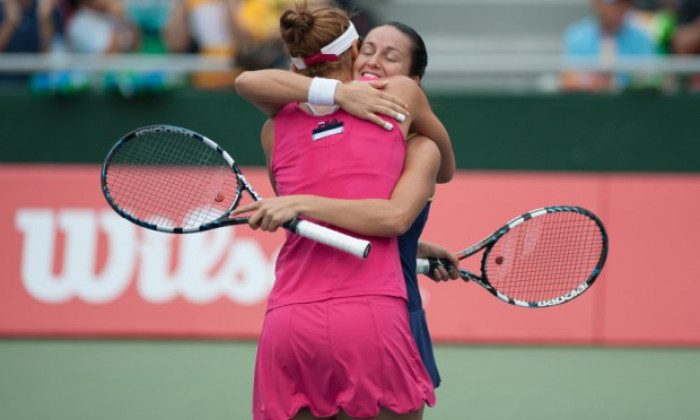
column 174, row 180
column 543, row 258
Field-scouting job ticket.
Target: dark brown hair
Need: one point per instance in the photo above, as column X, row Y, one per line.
column 305, row 31
column 419, row 54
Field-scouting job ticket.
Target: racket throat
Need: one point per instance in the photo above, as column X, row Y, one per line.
column 292, row 225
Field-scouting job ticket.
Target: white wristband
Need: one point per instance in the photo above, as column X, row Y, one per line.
column 322, row 91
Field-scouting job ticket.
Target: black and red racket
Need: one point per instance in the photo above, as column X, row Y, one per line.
column 174, row 180
column 542, row 258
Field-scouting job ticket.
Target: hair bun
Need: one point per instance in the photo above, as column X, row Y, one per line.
column 306, row 31
column 294, row 24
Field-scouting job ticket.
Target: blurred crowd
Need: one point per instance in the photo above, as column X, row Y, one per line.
column 245, row 32
column 242, row 31
column 631, row 29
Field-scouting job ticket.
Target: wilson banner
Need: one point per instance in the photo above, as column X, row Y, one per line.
column 72, row 267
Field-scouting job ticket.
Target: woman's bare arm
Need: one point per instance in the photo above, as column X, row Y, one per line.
column 272, row 89
column 423, row 121
column 375, row 217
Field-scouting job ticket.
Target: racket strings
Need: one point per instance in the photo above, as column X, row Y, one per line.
column 171, row 180
column 545, row 257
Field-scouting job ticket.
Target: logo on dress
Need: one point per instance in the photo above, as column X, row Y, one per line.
column 326, row 129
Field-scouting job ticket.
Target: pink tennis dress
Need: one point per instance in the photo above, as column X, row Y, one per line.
column 336, row 334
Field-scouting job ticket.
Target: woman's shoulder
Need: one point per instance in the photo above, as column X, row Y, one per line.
column 403, row 87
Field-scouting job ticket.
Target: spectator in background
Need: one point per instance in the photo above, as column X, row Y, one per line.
column 657, row 19
column 363, row 20
column 686, row 38
column 27, row 26
column 607, row 35
column 256, row 27
column 100, row 27
column 150, row 17
column 204, row 27
column 123, row 26
column 256, row 30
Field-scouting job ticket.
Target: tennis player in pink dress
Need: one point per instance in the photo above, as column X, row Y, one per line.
column 336, row 342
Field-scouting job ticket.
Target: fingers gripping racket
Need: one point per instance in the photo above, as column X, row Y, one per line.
column 174, row 180
column 543, row 258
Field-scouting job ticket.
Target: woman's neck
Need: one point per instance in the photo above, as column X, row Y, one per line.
column 343, row 76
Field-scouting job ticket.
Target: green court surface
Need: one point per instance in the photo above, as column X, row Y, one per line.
column 209, row 380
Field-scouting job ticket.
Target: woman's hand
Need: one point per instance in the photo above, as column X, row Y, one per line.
column 270, row 213
column 441, row 273
column 366, row 99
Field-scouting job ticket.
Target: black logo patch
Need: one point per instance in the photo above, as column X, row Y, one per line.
column 327, row 128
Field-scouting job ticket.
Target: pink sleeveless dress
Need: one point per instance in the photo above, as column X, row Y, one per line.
column 336, row 334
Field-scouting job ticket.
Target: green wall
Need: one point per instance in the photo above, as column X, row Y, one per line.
column 572, row 132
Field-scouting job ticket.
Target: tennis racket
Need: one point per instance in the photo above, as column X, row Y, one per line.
column 545, row 257
column 174, row 180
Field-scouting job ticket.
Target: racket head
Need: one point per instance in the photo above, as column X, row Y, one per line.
column 171, row 179
column 546, row 257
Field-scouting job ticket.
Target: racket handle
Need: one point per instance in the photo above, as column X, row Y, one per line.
column 427, row 265
column 357, row 247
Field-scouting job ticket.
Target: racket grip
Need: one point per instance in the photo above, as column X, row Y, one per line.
column 357, row 247
column 427, row 265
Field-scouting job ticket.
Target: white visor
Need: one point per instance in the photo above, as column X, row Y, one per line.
column 337, row 47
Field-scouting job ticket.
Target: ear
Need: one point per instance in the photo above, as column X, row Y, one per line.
column 416, row 79
column 293, row 68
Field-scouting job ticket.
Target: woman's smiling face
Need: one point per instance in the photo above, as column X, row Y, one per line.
column 385, row 52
